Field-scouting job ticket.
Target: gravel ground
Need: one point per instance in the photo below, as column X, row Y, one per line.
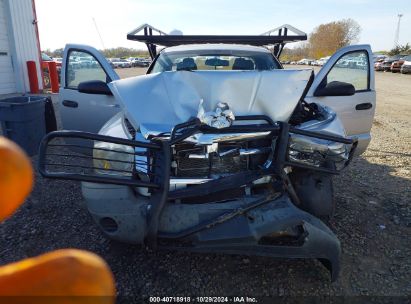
column 373, row 222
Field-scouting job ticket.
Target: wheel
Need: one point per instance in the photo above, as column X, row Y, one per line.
column 315, row 191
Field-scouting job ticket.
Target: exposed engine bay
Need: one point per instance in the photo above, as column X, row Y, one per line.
column 211, row 98
column 231, row 162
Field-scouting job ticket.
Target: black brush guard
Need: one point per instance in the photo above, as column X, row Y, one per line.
column 158, row 152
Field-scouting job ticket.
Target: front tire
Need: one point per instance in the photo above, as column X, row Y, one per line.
column 315, row 191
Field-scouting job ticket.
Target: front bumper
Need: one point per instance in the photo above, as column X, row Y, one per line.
column 194, row 228
column 240, row 226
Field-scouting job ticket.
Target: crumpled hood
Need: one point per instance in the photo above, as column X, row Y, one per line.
column 159, row 101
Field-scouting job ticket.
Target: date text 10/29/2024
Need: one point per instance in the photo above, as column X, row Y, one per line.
column 238, row 299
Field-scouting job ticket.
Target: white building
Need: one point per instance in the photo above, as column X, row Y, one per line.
column 19, row 43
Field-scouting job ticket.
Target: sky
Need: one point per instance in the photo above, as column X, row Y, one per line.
column 71, row 21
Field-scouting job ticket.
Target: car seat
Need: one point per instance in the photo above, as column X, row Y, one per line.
column 188, row 64
column 243, row 64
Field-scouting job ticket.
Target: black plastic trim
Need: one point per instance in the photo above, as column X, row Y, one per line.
column 174, row 40
column 70, row 103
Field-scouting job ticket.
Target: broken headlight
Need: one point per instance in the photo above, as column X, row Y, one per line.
column 317, row 152
column 110, row 158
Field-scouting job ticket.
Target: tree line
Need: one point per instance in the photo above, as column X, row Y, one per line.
column 323, row 41
column 327, row 38
column 119, row 52
column 400, row 50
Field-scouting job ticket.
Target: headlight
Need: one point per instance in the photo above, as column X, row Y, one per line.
column 115, row 159
column 317, row 152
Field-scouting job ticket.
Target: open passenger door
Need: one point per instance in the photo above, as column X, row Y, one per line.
column 346, row 84
column 86, row 103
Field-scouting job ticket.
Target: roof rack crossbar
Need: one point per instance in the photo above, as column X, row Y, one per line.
column 145, row 27
column 277, row 38
column 286, row 27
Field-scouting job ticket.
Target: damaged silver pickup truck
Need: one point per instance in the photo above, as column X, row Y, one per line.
column 218, row 148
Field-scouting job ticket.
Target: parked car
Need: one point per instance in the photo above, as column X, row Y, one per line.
column 378, row 57
column 216, row 149
column 359, row 63
column 45, row 59
column 386, row 64
column 321, row 61
column 75, row 63
column 110, row 62
column 146, row 60
column 115, row 62
column 378, row 64
column 138, row 62
column 396, row 66
column 85, row 62
column 305, row 61
column 406, row 66
column 121, row 63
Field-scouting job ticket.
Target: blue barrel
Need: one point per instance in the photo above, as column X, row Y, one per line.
column 22, row 120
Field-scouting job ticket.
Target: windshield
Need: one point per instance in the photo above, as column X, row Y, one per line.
column 45, row 57
column 214, row 60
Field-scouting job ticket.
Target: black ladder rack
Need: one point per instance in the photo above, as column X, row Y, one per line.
column 275, row 38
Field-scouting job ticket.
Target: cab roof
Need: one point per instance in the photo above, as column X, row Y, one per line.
column 215, row 46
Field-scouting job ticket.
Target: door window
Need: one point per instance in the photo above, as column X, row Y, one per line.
column 82, row 66
column 351, row 68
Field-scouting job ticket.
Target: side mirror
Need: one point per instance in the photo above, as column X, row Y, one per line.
column 94, row 87
column 336, row 88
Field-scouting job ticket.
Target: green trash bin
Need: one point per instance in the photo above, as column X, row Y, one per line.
column 22, row 120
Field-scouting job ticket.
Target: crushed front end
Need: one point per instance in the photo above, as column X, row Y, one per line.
column 200, row 188
column 180, row 170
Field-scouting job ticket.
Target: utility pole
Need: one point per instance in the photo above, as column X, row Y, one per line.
column 98, row 32
column 397, row 31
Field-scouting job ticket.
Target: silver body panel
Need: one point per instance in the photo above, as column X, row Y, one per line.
column 170, row 98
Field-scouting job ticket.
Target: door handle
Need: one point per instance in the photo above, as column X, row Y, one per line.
column 363, row 106
column 70, row 104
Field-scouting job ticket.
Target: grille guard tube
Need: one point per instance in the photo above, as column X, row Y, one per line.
column 106, row 179
column 158, row 198
column 280, row 128
column 322, row 243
